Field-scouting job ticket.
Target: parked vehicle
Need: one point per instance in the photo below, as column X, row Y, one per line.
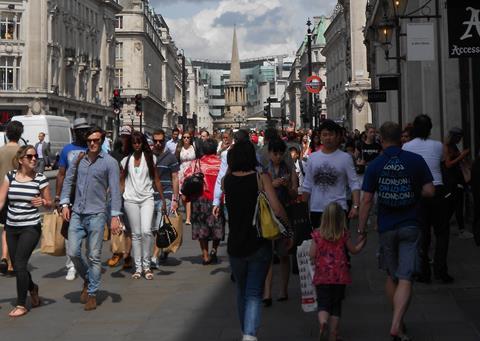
column 57, row 130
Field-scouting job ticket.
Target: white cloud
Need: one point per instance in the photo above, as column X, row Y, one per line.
column 264, row 27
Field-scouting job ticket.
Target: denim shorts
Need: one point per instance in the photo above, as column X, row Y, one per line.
column 398, row 252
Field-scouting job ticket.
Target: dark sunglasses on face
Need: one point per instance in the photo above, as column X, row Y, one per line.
column 186, row 137
column 93, row 140
column 159, row 141
column 31, row 156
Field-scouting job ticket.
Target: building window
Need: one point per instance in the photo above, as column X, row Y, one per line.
column 118, row 78
column 9, row 26
column 119, row 21
column 9, row 73
column 119, row 51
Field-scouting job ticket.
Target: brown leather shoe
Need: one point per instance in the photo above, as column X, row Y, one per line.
column 115, row 260
column 84, row 294
column 91, row 303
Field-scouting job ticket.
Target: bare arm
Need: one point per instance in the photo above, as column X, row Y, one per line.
column 355, row 248
column 59, row 182
column 428, row 190
column 158, row 186
column 365, row 206
column 313, row 250
column 176, row 191
column 272, row 197
column 4, row 192
column 449, row 162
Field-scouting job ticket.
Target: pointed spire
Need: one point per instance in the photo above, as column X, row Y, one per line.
column 235, row 64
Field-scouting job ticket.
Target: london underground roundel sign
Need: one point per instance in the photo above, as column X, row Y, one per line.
column 314, row 84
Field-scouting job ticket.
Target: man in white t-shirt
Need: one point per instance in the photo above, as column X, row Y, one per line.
column 327, row 174
column 434, row 209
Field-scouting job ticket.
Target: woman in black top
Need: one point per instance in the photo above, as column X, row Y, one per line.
column 250, row 256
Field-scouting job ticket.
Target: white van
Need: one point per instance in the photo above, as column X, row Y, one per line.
column 57, row 130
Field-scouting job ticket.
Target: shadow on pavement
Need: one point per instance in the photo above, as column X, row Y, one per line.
column 102, row 295
column 56, row 274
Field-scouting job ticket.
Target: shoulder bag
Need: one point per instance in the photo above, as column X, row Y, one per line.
column 192, row 186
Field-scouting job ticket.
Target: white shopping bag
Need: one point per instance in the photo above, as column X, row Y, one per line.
column 305, row 268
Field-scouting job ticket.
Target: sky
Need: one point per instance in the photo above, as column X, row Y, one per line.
column 204, row 28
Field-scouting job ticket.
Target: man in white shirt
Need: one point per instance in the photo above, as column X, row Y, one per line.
column 327, row 174
column 172, row 144
column 434, row 209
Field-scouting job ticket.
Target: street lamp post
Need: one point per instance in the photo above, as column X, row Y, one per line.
column 184, row 89
column 310, row 71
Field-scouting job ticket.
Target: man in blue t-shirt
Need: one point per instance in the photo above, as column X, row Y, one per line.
column 69, row 155
column 400, row 179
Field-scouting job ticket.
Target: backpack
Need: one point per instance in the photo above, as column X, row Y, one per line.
column 395, row 185
column 267, row 224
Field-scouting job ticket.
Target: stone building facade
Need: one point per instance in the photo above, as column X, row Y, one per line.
column 57, row 57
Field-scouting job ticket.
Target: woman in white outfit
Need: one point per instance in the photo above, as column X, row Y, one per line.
column 138, row 178
column 185, row 153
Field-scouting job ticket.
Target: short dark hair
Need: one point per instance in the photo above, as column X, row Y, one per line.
column 94, row 130
column 175, row 130
column 277, row 145
column 241, row 135
column 241, row 157
column 159, row 132
column 14, row 131
column 391, row 132
column 422, row 126
column 330, row 126
column 270, row 134
column 209, row 147
column 205, row 131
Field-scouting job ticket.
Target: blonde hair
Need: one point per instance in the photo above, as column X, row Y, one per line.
column 334, row 222
column 21, row 152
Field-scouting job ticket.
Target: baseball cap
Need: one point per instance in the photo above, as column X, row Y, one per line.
column 81, row 123
column 126, row 130
column 456, row 131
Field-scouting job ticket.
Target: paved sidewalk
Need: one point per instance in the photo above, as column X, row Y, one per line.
column 188, row 302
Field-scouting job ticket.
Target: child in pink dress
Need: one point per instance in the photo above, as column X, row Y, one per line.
column 328, row 252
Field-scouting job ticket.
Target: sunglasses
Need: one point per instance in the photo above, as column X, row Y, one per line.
column 186, row 137
column 31, row 156
column 159, row 141
column 93, row 140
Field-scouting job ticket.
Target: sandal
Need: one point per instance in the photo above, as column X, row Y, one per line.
column 34, row 298
column 18, row 311
column 148, row 274
column 137, row 275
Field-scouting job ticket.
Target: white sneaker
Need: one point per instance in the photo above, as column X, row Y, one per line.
column 464, row 234
column 249, row 338
column 71, row 274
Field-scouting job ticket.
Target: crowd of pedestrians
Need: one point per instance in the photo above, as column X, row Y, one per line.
column 399, row 182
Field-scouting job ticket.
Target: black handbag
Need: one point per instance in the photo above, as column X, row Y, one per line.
column 166, row 234
column 192, row 186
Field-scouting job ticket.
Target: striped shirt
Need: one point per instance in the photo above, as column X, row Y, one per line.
column 21, row 212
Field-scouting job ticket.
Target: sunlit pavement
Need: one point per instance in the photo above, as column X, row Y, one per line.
column 189, row 301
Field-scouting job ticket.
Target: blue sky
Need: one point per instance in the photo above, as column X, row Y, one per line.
column 264, row 27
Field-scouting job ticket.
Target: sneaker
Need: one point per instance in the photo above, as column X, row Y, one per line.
column 464, row 234
column 115, row 260
column 153, row 263
column 71, row 274
column 249, row 338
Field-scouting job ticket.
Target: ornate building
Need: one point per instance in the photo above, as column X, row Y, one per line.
column 57, row 57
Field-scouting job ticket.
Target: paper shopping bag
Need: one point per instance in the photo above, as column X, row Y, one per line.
column 305, row 267
column 52, row 242
column 177, row 223
column 118, row 243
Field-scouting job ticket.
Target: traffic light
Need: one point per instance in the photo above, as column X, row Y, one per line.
column 138, row 103
column 266, row 111
column 303, row 110
column 116, row 101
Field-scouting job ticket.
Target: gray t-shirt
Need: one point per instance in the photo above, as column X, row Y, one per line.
column 166, row 165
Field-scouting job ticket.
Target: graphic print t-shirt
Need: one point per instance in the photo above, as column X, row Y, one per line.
column 69, row 154
column 327, row 177
column 419, row 174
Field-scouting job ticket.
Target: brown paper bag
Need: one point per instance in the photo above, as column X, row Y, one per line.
column 177, row 223
column 118, row 243
column 52, row 242
column 106, row 233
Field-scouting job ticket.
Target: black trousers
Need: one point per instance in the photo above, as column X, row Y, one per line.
column 21, row 242
column 436, row 213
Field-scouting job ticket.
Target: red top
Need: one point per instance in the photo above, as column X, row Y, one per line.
column 331, row 262
column 209, row 166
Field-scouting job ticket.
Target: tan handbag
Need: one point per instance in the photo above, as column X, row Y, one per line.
column 177, row 224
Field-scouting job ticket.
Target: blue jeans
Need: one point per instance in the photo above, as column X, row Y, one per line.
column 250, row 273
column 89, row 226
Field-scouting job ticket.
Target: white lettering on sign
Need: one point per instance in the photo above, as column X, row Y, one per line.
column 474, row 22
column 459, row 51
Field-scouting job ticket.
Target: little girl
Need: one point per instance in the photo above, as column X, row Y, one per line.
column 328, row 252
